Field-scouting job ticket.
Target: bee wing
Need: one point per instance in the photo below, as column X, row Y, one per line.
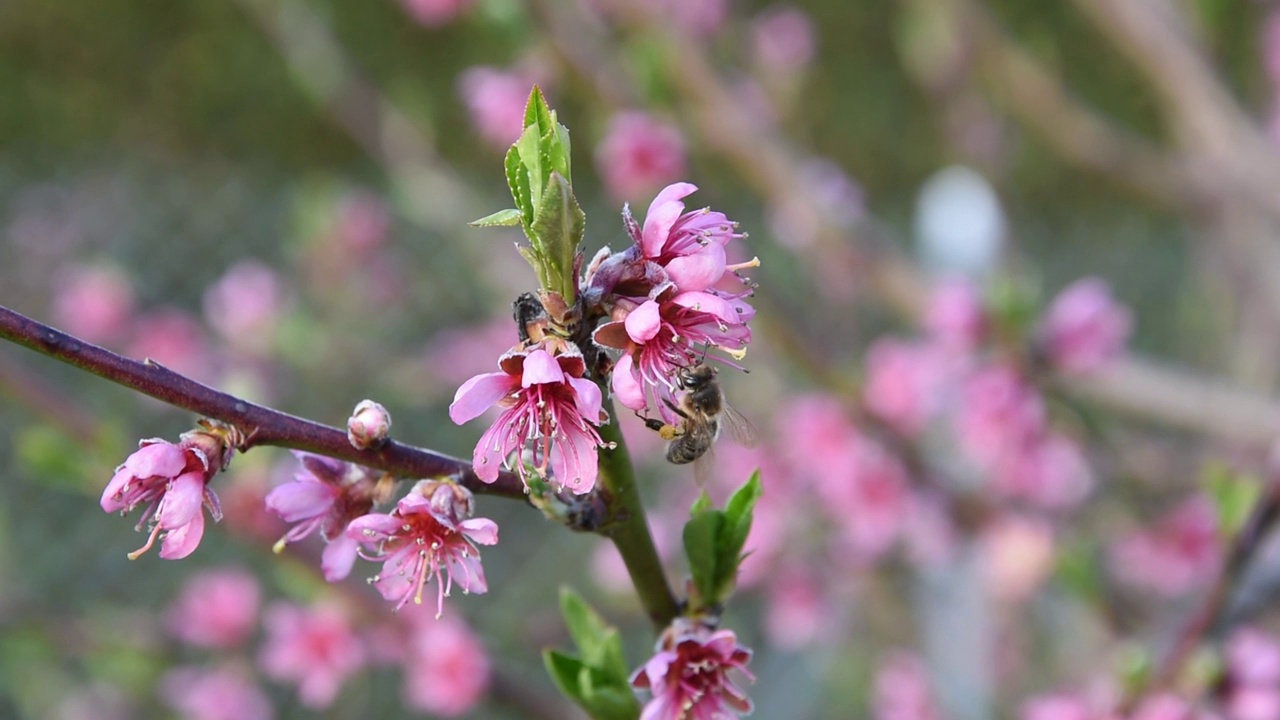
column 740, row 428
column 704, row 467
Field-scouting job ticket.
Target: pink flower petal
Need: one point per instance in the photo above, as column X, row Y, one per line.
column 182, row 501
column 376, row 523
column 338, row 558
column 301, row 499
column 588, row 399
column 699, row 270
column 541, row 369
column 468, row 573
column 710, row 304
column 644, row 322
column 479, row 394
column 182, row 541
column 626, row 386
column 160, row 459
column 671, row 193
column 118, row 481
column 481, row 530
column 574, row 461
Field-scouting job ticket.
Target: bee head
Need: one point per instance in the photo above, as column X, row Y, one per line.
column 695, row 376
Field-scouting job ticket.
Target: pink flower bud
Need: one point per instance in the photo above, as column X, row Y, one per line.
column 1084, row 327
column 368, row 425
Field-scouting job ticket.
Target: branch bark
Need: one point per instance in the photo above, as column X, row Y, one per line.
column 264, row 426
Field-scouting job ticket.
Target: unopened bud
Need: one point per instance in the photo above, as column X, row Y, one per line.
column 368, row 425
column 448, row 499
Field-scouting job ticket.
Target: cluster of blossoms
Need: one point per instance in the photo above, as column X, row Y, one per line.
column 669, row 300
column 997, row 416
column 316, row 648
column 1248, row 688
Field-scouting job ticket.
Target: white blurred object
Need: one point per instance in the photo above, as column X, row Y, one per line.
column 959, row 225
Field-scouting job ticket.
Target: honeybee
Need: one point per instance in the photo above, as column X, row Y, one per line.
column 702, row 413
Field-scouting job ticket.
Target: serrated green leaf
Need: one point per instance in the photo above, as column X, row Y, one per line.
column 518, row 181
column 510, row 217
column 533, row 170
column 557, row 234
column 564, row 152
column 537, row 112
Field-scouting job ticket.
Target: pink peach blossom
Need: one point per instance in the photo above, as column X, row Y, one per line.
column 223, row 693
column 782, row 39
column 446, row 671
column 638, row 153
column 417, row 542
column 170, row 482
column 548, row 406
column 902, row 690
column 314, row 647
column 1175, row 554
column 217, row 608
column 955, row 316
column 173, row 339
column 496, row 100
column 325, row 495
column 688, row 677
column 244, row 305
column 1084, row 328
column 93, row 302
column 904, row 383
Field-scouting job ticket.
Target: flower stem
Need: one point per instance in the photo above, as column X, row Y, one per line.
column 263, row 426
column 629, row 530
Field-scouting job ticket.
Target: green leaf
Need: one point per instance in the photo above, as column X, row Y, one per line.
column 701, row 538
column 566, row 672
column 713, row 542
column 589, row 632
column 536, row 111
column 518, row 181
column 1234, row 496
column 532, row 168
column 743, row 500
column 598, row 680
column 510, row 217
column 1078, row 570
column 557, row 234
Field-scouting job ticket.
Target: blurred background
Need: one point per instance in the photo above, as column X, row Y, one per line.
column 271, row 196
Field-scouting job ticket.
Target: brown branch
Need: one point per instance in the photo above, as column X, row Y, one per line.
column 1206, row 618
column 263, row 426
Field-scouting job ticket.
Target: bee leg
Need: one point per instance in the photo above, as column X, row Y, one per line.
column 675, row 409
